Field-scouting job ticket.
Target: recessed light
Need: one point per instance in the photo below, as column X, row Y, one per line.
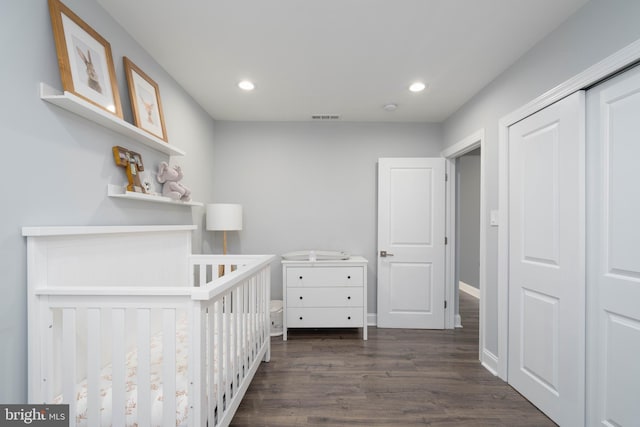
column 417, row 87
column 246, row 85
column 390, row 107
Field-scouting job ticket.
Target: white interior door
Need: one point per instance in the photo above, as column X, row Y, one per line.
column 546, row 361
column 411, row 228
column 614, row 251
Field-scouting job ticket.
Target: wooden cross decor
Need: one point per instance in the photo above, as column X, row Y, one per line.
column 132, row 162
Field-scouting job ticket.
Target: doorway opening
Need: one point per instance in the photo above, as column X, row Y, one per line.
column 467, row 228
column 467, row 158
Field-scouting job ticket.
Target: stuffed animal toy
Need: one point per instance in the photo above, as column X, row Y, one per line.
column 169, row 177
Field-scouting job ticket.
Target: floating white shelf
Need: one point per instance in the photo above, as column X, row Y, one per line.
column 79, row 106
column 119, row 191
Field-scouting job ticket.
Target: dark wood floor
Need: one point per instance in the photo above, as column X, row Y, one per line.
column 399, row 377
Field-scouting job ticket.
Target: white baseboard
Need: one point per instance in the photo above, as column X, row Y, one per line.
column 489, row 361
column 468, row 289
column 458, row 321
column 372, row 319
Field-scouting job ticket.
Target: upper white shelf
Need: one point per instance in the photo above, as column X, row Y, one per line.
column 79, row 106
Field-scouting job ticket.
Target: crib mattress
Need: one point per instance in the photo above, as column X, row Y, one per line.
column 131, row 389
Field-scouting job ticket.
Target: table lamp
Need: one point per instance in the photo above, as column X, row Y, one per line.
column 224, row 217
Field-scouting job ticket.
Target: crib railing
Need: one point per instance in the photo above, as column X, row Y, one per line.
column 81, row 331
column 234, row 322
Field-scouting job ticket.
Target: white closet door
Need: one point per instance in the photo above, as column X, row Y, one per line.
column 546, row 362
column 614, row 251
column 411, row 225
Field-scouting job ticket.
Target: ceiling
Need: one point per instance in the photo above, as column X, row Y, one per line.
column 337, row 57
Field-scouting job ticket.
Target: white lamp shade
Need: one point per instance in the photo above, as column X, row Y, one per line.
column 224, row 217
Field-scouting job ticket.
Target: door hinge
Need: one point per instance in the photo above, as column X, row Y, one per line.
column 446, row 241
column 446, row 177
column 445, row 304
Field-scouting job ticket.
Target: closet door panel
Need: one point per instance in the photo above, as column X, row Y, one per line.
column 614, row 250
column 546, row 259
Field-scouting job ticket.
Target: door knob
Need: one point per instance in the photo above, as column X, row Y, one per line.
column 384, row 254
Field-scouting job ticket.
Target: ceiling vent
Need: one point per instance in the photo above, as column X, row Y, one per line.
column 325, row 117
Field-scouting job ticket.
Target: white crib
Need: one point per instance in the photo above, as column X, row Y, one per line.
column 129, row 328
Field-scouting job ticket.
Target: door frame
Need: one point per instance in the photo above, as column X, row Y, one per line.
column 597, row 72
column 466, row 145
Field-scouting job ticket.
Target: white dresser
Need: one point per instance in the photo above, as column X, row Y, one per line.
column 325, row 294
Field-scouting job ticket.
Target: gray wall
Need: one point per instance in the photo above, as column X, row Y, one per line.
column 597, row 30
column 468, row 181
column 310, row 185
column 57, row 165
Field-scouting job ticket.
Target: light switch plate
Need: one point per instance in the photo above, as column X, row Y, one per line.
column 493, row 221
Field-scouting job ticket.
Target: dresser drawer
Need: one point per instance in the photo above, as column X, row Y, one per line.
column 325, row 276
column 325, row 297
column 325, row 317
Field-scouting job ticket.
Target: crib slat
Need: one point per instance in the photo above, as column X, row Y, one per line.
column 197, row 402
column 169, row 367
column 236, row 351
column 228, row 334
column 69, row 360
column 259, row 286
column 118, row 351
column 237, row 332
column 144, row 403
column 266, row 278
column 259, row 326
column 256, row 313
column 242, row 329
column 210, row 330
column 247, row 325
column 253, row 318
column 249, row 318
column 242, row 320
column 264, row 310
column 266, row 281
column 93, row 366
column 219, row 359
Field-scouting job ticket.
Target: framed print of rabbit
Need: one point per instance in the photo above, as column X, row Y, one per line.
column 85, row 60
column 145, row 101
